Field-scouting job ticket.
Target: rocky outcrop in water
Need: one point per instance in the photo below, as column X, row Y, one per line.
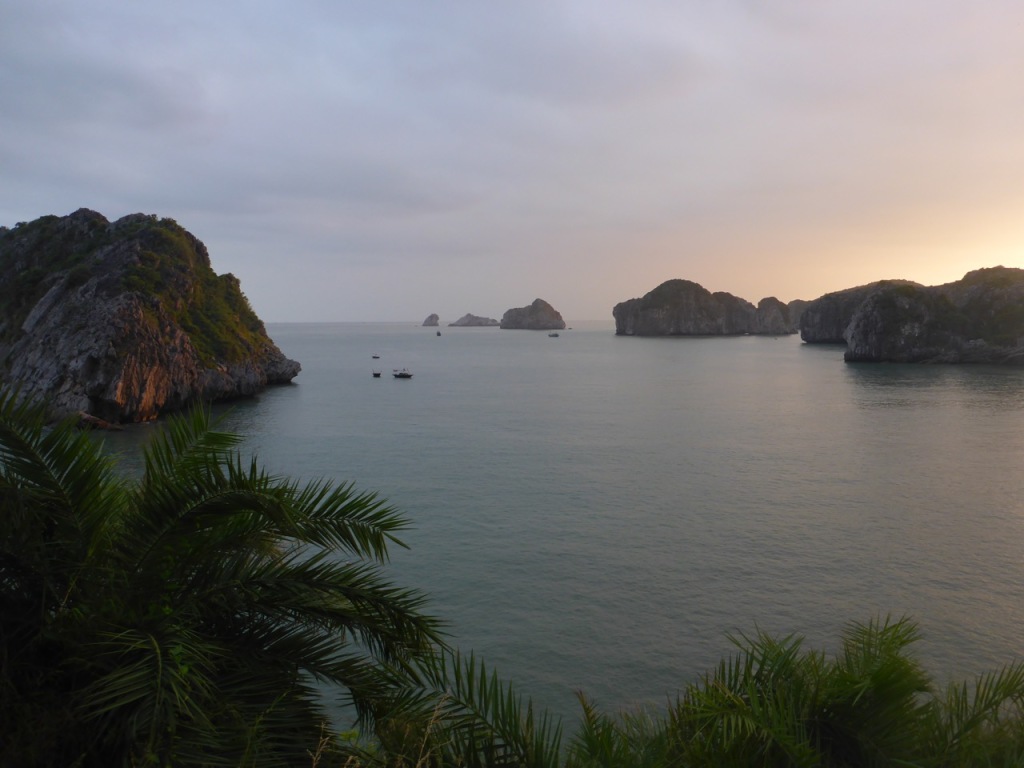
column 979, row 319
column 824, row 320
column 432, row 321
column 126, row 320
column 473, row 321
column 538, row 316
column 686, row 308
column 771, row 318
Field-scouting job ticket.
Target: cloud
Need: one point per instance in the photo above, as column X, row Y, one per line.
column 594, row 147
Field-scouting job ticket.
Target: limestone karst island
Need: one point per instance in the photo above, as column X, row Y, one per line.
column 537, row 316
column 123, row 321
column 978, row 319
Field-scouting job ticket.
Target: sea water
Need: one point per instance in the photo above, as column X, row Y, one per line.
column 598, row 513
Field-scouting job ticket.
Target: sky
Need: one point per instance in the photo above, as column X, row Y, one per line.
column 376, row 160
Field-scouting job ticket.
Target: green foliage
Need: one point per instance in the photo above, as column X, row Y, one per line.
column 637, row 739
column 187, row 617
column 774, row 704
column 47, row 251
column 155, row 257
column 211, row 308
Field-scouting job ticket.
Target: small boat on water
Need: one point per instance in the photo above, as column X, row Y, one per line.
column 376, row 374
column 553, row 335
column 376, row 356
column 438, row 333
column 401, row 373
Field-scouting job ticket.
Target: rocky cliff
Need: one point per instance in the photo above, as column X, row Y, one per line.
column 125, row 320
column 824, row 320
column 431, row 321
column 979, row 319
column 539, row 316
column 685, row 308
column 473, row 321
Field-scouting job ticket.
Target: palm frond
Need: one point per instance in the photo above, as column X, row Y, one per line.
column 637, row 739
column 871, row 695
column 751, row 708
column 476, row 720
column 983, row 721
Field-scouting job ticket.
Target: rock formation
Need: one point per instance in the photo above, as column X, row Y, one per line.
column 473, row 321
column 979, row 319
column 771, row 318
column 431, row 321
column 795, row 310
column 126, row 320
column 685, row 308
column 824, row 320
column 539, row 316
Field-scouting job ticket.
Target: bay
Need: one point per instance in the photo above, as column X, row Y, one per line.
column 596, row 513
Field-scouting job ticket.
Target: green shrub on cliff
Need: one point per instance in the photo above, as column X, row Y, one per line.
column 210, row 307
column 33, row 256
column 155, row 258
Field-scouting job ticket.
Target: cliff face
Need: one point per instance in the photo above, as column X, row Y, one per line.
column 824, row 320
column 125, row 320
column 685, row 308
column 979, row 319
column 539, row 316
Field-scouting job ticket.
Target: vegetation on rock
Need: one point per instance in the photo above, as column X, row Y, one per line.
column 166, row 263
column 125, row 320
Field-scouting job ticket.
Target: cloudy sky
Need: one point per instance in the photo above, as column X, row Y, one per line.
column 376, row 160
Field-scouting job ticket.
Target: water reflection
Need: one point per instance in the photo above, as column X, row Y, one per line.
column 127, row 444
column 888, row 385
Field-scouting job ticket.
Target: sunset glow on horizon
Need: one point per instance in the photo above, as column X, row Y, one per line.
column 387, row 161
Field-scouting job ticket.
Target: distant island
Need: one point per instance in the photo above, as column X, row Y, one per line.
column 473, row 321
column 123, row 321
column 538, row 316
column 431, row 321
column 978, row 319
column 685, row 308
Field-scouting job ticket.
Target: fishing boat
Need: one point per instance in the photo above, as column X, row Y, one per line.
column 376, row 374
column 401, row 373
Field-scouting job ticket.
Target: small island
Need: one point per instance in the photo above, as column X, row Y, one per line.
column 473, row 321
column 685, row 308
column 431, row 321
column 538, row 316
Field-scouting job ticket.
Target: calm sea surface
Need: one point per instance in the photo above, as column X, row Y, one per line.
column 596, row 513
